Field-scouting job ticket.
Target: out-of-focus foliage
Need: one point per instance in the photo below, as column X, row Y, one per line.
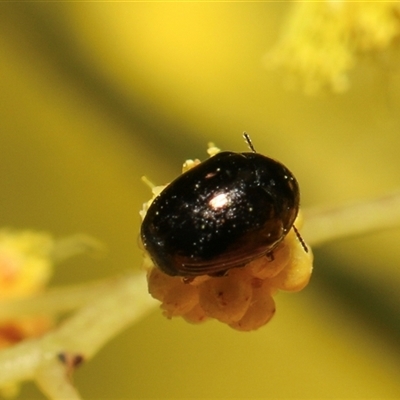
column 95, row 95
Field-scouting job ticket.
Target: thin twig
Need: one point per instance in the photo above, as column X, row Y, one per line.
column 327, row 224
column 124, row 302
column 54, row 381
column 54, row 301
column 71, row 246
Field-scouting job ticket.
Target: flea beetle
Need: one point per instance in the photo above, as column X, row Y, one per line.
column 221, row 214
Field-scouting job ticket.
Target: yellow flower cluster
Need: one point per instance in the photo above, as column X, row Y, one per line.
column 323, row 39
column 242, row 298
column 25, row 268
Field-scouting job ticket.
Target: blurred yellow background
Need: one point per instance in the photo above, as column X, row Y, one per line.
column 95, row 95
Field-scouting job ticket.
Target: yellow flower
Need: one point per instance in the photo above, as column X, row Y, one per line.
column 243, row 297
column 322, row 40
column 25, row 268
column 25, row 263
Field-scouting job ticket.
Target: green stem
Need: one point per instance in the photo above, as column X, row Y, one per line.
column 326, row 224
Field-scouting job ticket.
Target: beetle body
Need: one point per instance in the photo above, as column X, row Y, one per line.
column 221, row 214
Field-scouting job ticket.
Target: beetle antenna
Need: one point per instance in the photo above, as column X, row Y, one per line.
column 303, row 243
column 248, row 141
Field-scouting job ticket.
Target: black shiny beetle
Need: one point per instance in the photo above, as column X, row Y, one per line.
column 221, row 214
